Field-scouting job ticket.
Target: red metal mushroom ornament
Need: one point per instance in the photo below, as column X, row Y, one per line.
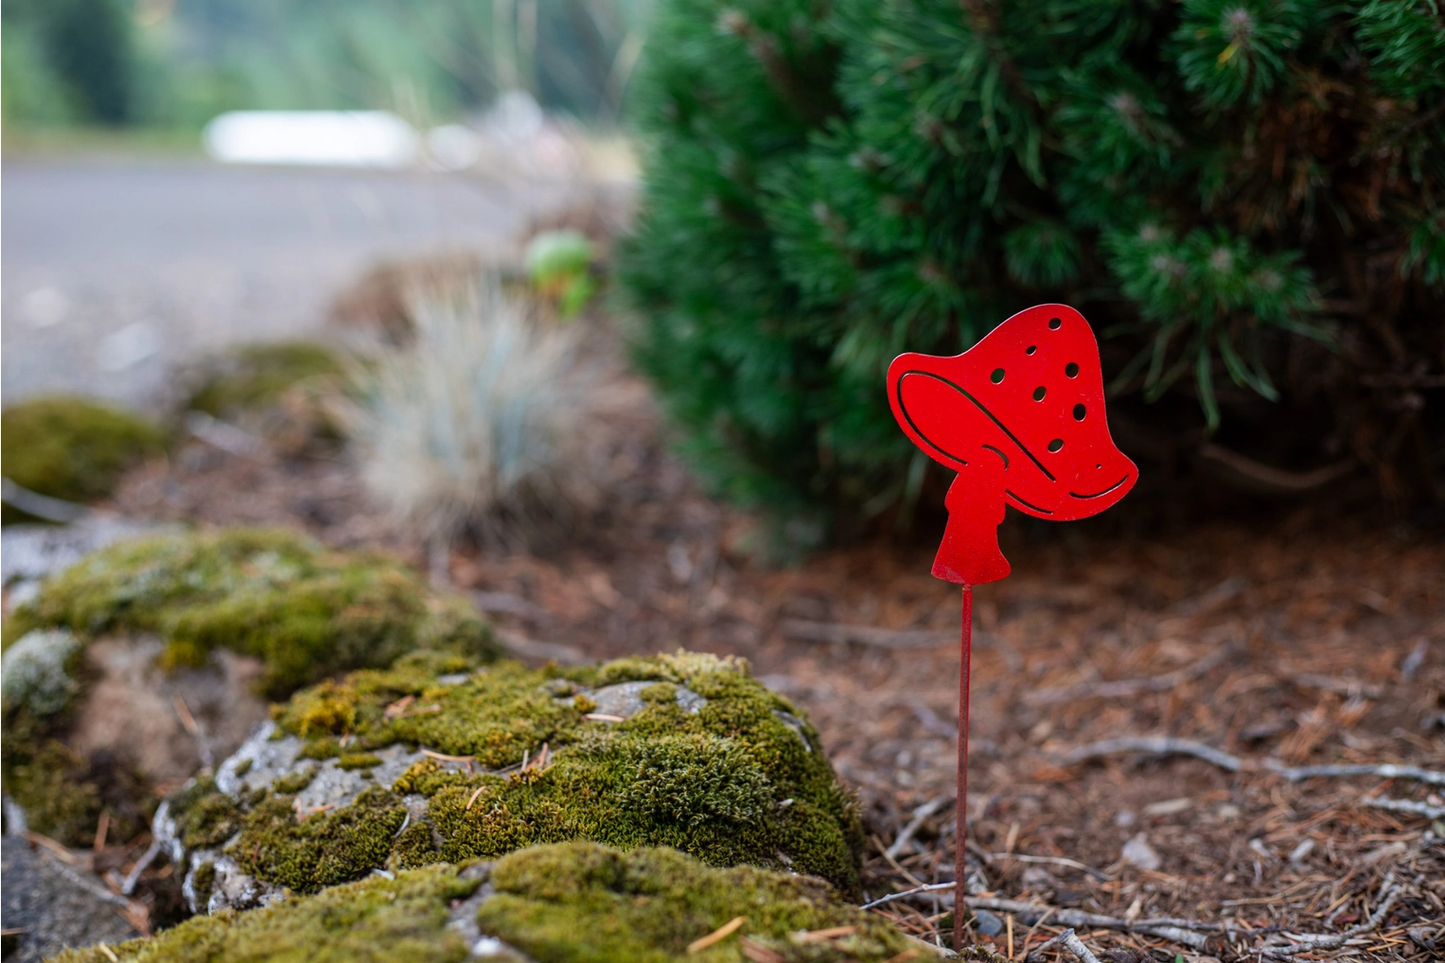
column 1020, row 417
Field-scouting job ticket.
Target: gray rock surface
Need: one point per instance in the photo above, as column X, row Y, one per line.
column 57, row 906
column 29, row 553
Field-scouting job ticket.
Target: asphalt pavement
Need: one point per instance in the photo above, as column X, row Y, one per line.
column 114, row 270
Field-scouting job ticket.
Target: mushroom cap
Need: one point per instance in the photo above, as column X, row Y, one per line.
column 1025, row 408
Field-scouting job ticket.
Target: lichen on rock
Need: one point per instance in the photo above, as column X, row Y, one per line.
column 695, row 755
column 151, row 658
column 574, row 902
column 38, row 671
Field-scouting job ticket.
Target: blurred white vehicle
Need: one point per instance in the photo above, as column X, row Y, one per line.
column 334, row 138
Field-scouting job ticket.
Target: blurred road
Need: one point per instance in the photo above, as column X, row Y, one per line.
column 114, row 270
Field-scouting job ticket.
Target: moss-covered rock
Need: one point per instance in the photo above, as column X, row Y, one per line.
column 255, row 376
column 572, row 902
column 685, row 750
column 70, row 448
column 99, row 662
column 283, row 391
column 306, row 612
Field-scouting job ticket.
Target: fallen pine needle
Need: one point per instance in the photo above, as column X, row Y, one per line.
column 446, row 758
column 717, row 935
column 399, row 706
column 603, row 717
column 109, row 953
column 101, row 828
column 758, row 953
column 58, row 849
column 474, row 796
column 183, row 711
column 819, row 936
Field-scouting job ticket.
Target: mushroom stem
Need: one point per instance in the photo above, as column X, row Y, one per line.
column 960, row 847
column 969, row 553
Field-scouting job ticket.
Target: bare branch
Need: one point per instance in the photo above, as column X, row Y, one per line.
column 1122, row 688
column 1157, row 745
column 1390, row 892
column 1167, row 745
column 919, row 815
column 1404, row 806
column 1070, row 942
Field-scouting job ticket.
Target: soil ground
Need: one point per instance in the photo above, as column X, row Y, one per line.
column 1290, row 638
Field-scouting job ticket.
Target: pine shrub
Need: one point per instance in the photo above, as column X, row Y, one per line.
column 1245, row 197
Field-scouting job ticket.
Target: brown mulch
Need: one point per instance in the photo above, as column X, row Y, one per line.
column 1298, row 636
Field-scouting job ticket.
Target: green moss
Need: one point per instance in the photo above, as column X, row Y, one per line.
column 731, row 783
column 358, row 760
column 376, row 921
column 255, row 376
column 64, row 793
column 242, row 767
column 323, row 848
column 306, row 612
column 323, row 748
column 296, row 781
column 649, row 905
column 569, row 903
column 204, row 816
column 70, row 448
column 203, row 881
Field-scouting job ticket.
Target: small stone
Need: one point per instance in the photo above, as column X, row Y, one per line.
column 624, row 699
column 1125, row 818
column 987, row 923
column 1138, row 852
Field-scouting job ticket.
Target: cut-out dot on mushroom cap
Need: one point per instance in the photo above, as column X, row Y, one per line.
column 1031, row 349
column 1056, row 444
column 1039, row 393
column 1079, row 412
column 1071, row 369
column 997, row 375
column 1055, row 324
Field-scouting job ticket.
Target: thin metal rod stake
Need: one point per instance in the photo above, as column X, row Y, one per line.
column 960, row 848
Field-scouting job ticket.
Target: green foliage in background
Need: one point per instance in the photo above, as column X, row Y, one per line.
column 1243, row 196
column 178, row 63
